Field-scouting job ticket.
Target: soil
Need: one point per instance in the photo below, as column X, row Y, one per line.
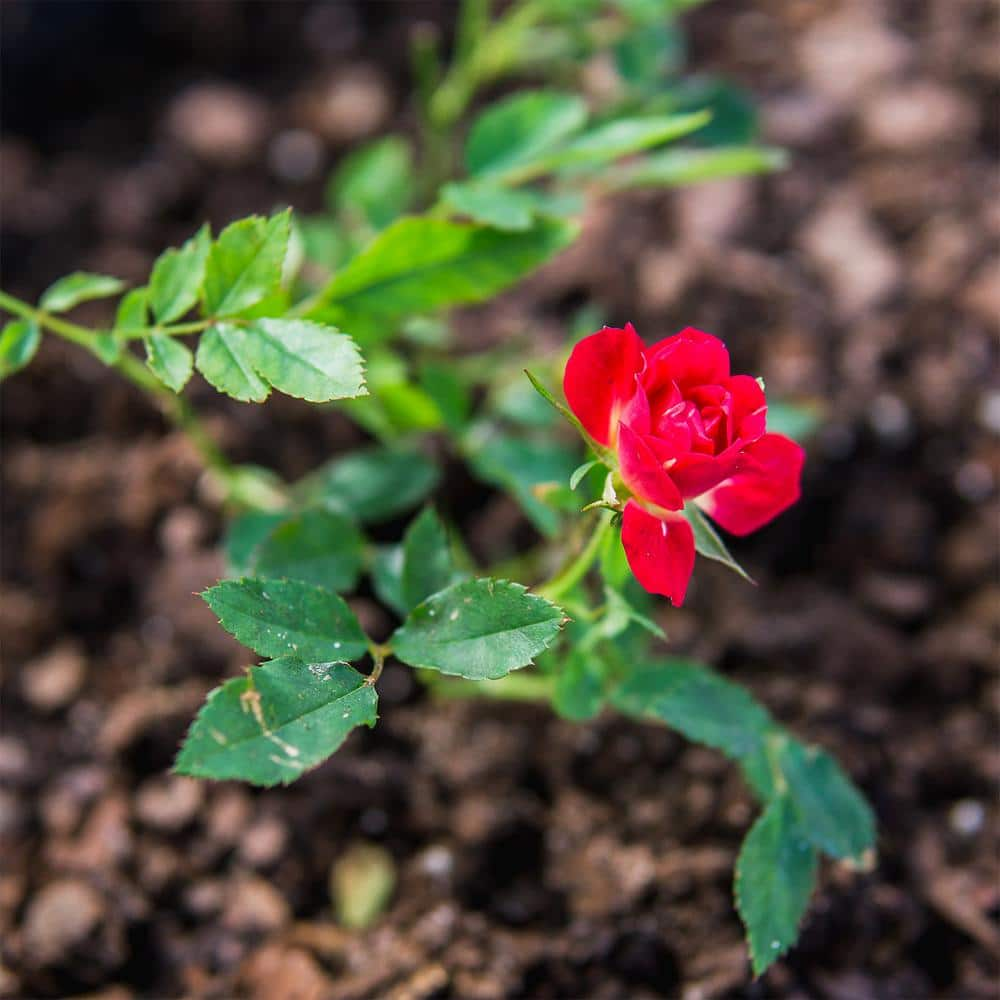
column 533, row 858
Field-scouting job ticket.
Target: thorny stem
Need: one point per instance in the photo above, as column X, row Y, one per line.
column 175, row 408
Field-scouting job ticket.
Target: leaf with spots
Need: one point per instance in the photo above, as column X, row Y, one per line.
column 281, row 719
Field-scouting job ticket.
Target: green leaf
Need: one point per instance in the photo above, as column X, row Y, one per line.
column 620, row 138
column 132, row 310
column 222, row 361
column 169, row 360
column 245, row 263
column 303, row 359
column 80, row 286
column 374, row 184
column 579, row 688
column 568, row 414
column 387, row 577
column 775, row 876
column 287, row 618
column 580, row 471
column 107, row 347
column 833, row 813
column 490, row 204
column 518, row 129
column 279, row 721
column 419, row 265
column 18, row 344
column 373, row 484
column 697, row 702
column 479, row 629
column 534, row 471
column 322, row 547
column 177, row 276
column 681, row 167
column 708, row 543
column 243, row 535
column 620, row 614
column 734, row 116
column 450, row 395
column 427, row 563
column 648, row 53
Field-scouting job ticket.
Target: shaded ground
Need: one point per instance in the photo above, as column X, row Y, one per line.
column 535, row 858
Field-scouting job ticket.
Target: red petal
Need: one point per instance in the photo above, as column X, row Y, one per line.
column 642, row 472
column 766, row 484
column 694, row 474
column 659, row 552
column 749, row 408
column 689, row 358
column 601, row 377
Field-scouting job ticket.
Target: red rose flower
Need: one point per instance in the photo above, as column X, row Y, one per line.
column 683, row 429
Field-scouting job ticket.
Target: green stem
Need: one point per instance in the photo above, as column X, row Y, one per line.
column 175, row 408
column 569, row 576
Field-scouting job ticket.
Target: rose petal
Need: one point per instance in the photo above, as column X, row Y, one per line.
column 659, row 552
column 766, row 484
column 600, row 379
column 689, row 358
column 749, row 418
column 642, row 472
column 695, row 474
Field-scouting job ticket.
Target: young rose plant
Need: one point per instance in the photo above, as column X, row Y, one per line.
column 346, row 307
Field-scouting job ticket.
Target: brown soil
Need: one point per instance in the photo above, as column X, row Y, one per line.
column 534, row 858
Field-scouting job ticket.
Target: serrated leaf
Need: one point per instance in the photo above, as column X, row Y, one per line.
column 775, row 877
column 243, row 535
column 680, row 167
column 279, row 721
column 18, row 344
column 479, row 629
column 832, row 812
column 373, row 484
column 697, row 702
column 518, row 129
column 245, row 263
column 419, row 265
column 619, row 138
column 132, row 311
column 80, row 286
column 579, row 687
column 169, row 360
column 374, row 184
column 287, row 618
column 177, row 276
column 221, row 359
column 708, row 543
column 322, row 547
column 427, row 564
column 307, row 360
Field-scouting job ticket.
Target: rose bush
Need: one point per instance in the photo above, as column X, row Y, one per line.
column 681, row 428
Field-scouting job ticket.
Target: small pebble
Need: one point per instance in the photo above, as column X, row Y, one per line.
column 295, row 155
column 966, row 817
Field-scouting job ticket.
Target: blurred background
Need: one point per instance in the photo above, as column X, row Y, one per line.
column 530, row 857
